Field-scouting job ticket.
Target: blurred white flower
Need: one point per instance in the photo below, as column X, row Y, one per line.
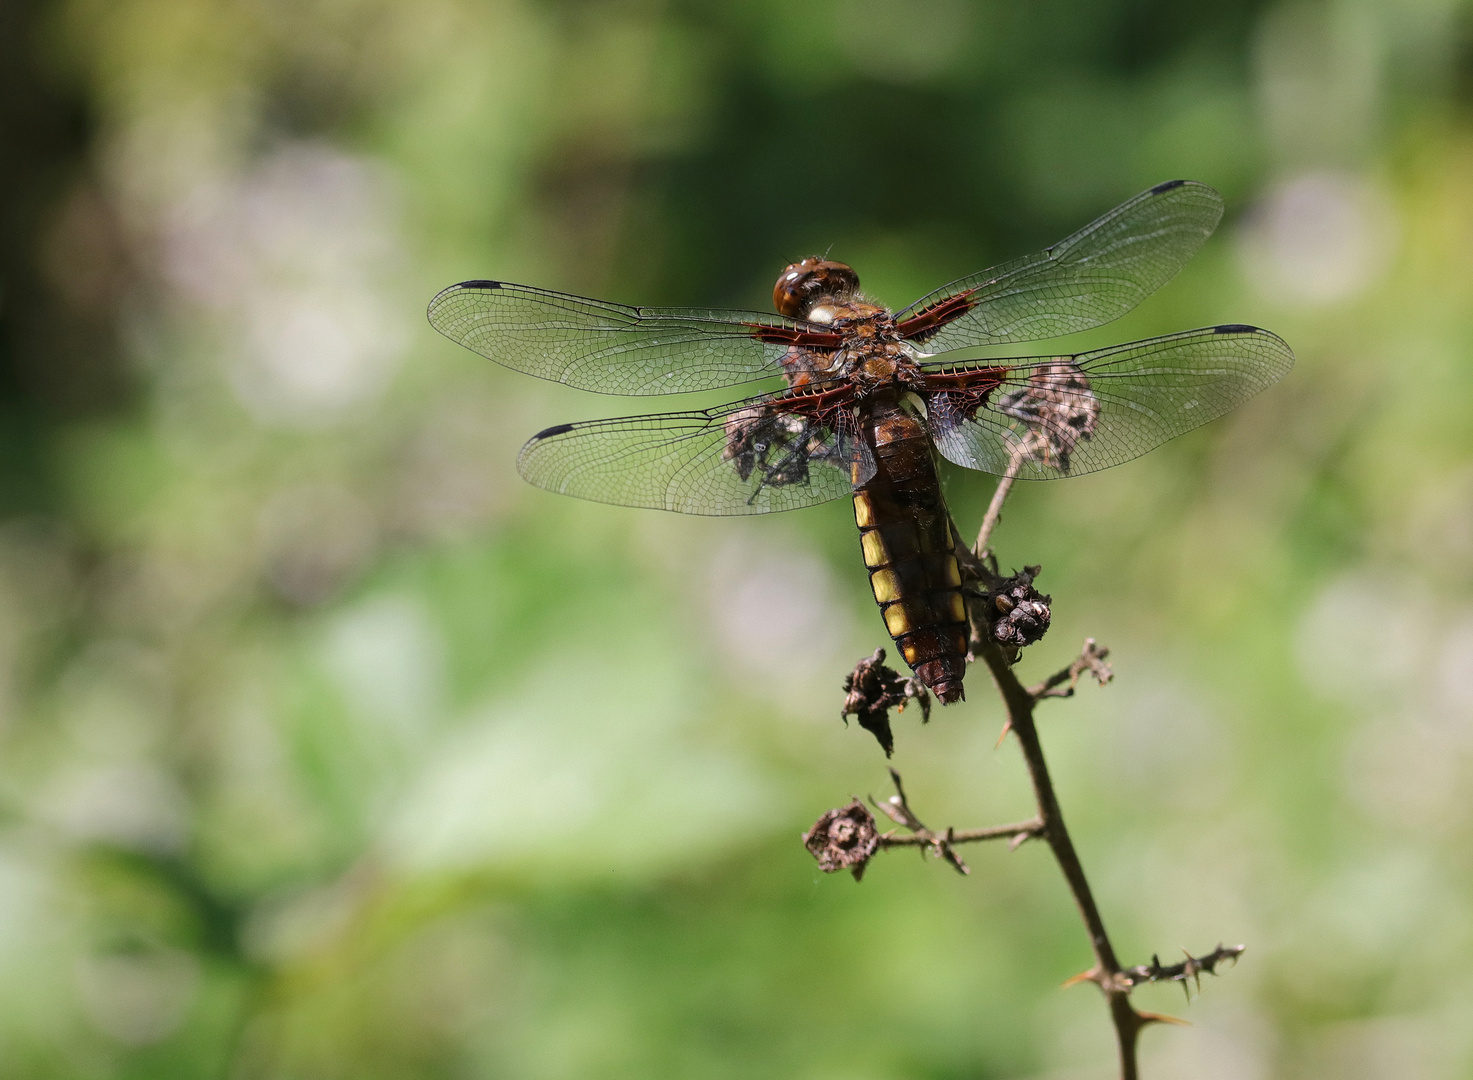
column 25, row 900
column 290, row 261
column 388, row 657
column 133, row 804
column 1318, row 238
column 1365, row 633
column 137, row 998
column 778, row 615
column 1455, row 670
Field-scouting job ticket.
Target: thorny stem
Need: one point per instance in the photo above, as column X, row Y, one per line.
column 1024, row 829
column 1107, row 972
column 979, row 569
column 1020, row 702
column 897, row 809
column 1091, row 658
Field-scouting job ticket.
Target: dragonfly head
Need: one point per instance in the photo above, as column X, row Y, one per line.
column 804, row 283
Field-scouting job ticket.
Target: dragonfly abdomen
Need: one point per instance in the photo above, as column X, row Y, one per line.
column 905, row 535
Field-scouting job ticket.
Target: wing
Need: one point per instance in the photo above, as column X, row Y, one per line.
column 615, row 349
column 769, row 453
column 1056, row 416
column 1086, row 280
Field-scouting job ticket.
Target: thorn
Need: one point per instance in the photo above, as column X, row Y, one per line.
column 1192, row 970
column 1007, row 726
column 1162, row 1018
column 1092, row 975
column 1016, row 842
column 949, row 852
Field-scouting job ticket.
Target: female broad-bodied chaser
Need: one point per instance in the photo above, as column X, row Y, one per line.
column 868, row 402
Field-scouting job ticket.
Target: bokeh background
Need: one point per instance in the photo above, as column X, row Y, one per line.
column 329, row 749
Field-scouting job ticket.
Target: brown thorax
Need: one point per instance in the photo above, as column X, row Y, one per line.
column 824, row 291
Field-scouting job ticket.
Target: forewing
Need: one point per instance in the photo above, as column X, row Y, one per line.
column 1086, row 280
column 756, row 457
column 613, row 348
column 1065, row 415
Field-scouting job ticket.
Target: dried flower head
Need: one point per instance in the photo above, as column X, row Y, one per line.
column 871, row 690
column 844, row 839
column 1059, row 408
column 1017, row 613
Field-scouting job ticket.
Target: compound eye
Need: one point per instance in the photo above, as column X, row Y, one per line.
column 803, row 283
column 790, row 296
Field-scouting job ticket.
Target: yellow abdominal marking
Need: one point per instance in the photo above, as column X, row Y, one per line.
column 953, row 571
column 874, row 549
column 897, row 621
column 958, row 607
column 910, row 652
column 886, row 586
column 864, row 513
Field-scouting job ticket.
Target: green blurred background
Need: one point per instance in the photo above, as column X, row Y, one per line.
column 330, row 749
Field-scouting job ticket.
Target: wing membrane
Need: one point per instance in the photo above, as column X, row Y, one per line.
column 1058, row 416
column 613, row 348
column 759, row 456
column 1085, row 280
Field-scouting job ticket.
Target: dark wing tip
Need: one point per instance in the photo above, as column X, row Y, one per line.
column 1169, row 185
column 444, row 294
column 547, row 433
column 460, row 286
column 1235, row 328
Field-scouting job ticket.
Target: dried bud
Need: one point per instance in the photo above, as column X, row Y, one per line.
column 843, row 839
column 871, row 690
column 1018, row 613
column 1060, row 410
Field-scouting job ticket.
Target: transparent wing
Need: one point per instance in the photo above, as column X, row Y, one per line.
column 613, row 348
column 770, row 453
column 1058, row 416
column 1086, row 280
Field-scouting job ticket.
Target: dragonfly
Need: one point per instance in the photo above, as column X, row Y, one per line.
column 870, row 398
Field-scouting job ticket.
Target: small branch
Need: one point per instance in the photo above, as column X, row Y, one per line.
column 845, row 838
column 999, row 496
column 1091, row 658
column 1188, row 971
column 897, row 809
column 1018, row 831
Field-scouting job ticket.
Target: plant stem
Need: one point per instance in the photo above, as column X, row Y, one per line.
column 1020, row 703
column 999, row 496
column 1107, row 971
column 1024, row 829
